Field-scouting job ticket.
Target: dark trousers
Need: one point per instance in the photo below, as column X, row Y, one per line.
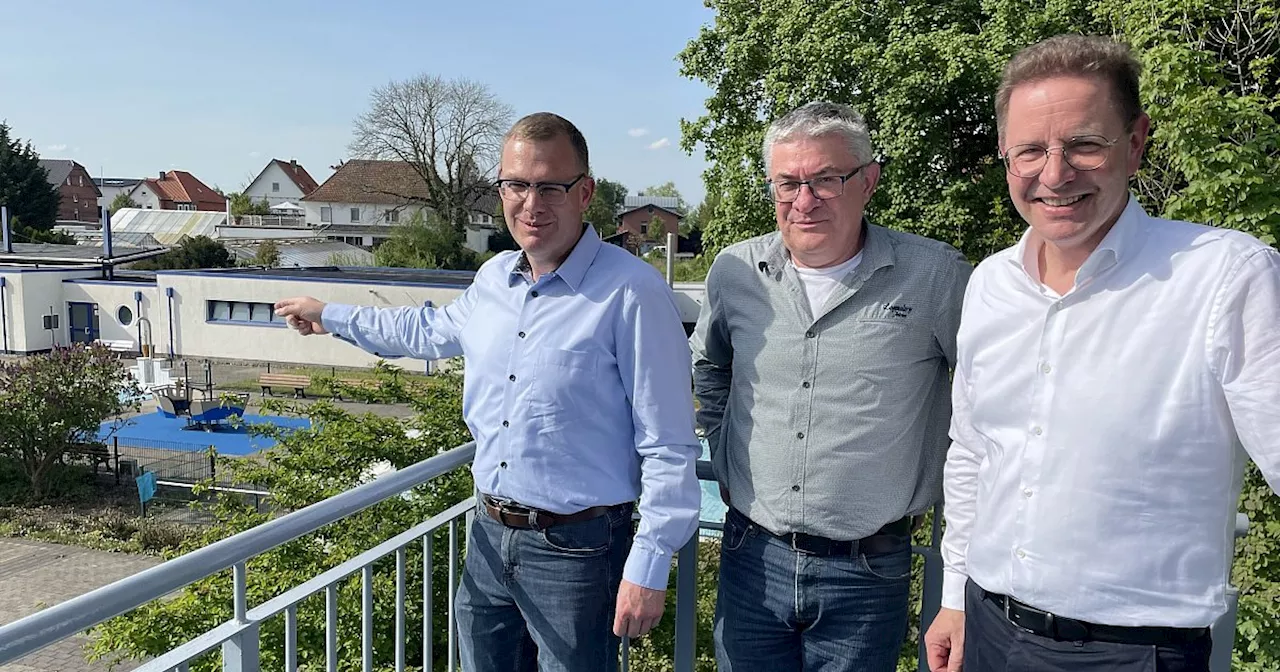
column 993, row 644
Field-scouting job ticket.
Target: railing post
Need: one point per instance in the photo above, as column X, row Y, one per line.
column 686, row 605
column 240, row 653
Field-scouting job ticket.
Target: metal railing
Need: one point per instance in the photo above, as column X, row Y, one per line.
column 239, row 638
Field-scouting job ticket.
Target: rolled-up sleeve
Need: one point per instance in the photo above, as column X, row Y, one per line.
column 653, row 360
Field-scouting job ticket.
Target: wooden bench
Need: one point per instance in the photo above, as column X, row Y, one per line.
column 359, row 383
column 298, row 383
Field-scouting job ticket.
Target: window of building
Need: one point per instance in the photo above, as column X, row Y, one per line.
column 355, row 214
column 275, row 186
column 393, row 216
column 243, row 312
column 125, row 315
column 75, row 198
column 326, row 214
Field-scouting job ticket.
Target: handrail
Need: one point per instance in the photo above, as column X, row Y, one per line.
column 43, row 628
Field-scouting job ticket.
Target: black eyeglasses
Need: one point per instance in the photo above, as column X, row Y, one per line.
column 822, row 188
column 1085, row 152
column 551, row 193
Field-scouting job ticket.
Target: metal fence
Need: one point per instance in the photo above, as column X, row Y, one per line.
column 238, row 639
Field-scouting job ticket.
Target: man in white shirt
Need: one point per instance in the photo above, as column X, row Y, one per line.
column 1110, row 368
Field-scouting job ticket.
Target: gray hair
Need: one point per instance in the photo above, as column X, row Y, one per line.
column 817, row 119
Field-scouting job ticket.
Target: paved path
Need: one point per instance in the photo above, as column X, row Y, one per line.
column 35, row 575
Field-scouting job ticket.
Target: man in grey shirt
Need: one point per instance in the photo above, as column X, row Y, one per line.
column 821, row 361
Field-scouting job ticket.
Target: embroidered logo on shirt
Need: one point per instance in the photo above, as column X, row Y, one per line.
column 897, row 309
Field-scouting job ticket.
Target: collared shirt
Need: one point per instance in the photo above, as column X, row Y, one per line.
column 577, row 388
column 832, row 423
column 1096, row 462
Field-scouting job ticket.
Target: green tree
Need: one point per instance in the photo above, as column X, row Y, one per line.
column 426, row 241
column 25, row 189
column 338, row 452
column 924, row 75
column 55, row 402
column 242, row 204
column 268, row 254
column 602, row 211
column 122, row 201
column 192, row 252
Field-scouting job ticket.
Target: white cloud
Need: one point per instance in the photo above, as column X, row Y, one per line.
column 659, row 144
column 638, row 132
column 56, row 148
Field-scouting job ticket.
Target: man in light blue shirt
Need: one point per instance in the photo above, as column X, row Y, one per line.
column 578, row 392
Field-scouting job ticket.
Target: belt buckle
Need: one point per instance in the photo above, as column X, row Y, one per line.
column 794, row 536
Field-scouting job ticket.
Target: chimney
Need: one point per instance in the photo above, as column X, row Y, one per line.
column 4, row 223
column 162, row 174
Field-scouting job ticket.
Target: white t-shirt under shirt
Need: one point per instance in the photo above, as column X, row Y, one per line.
column 820, row 283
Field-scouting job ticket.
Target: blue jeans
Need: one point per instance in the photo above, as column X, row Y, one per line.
column 782, row 609
column 542, row 600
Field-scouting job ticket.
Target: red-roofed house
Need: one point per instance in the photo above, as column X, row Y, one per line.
column 177, row 190
column 281, row 182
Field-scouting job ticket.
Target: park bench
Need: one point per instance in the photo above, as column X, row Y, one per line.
column 288, row 380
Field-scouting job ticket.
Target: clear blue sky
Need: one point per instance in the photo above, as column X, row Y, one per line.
column 219, row 88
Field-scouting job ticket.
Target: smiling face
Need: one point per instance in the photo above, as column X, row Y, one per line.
column 821, row 233
column 1068, row 208
column 546, row 232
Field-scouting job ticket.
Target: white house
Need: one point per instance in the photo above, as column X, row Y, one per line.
column 363, row 200
column 281, row 182
column 112, row 187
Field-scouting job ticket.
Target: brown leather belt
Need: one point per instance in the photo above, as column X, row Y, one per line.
column 523, row 517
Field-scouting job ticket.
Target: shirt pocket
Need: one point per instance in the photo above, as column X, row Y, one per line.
column 563, row 386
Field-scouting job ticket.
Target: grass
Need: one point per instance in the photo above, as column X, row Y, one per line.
column 316, row 373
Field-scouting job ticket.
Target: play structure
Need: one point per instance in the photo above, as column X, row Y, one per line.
column 199, row 405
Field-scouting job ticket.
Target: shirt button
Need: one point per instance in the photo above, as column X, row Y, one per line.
column 503, row 465
column 809, row 334
column 521, row 334
column 534, row 293
column 795, row 488
column 505, row 423
column 1026, row 492
column 1037, row 430
column 1021, row 553
column 1045, row 367
column 799, row 435
column 512, row 377
column 805, row 384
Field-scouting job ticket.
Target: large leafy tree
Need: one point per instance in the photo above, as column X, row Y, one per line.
column 603, row 209
column 426, row 241
column 25, row 189
column 55, row 402
column 340, row 451
column 924, row 73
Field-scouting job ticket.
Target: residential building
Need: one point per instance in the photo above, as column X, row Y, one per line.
column 281, row 182
column 638, row 216
column 177, row 190
column 364, row 199
column 79, row 195
column 110, row 187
